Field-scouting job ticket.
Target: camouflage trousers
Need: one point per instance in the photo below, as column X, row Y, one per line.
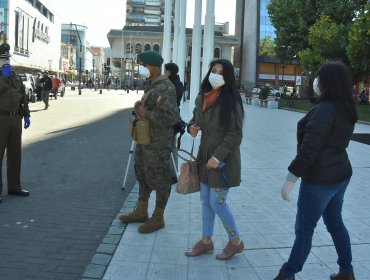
column 152, row 170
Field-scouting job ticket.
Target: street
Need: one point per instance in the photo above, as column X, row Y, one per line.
column 73, row 162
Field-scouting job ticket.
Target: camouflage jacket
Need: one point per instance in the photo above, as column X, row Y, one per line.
column 13, row 95
column 162, row 111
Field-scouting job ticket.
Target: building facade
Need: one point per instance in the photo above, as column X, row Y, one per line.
column 32, row 29
column 252, row 24
column 144, row 12
column 127, row 43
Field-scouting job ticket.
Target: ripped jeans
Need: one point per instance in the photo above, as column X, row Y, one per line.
column 214, row 202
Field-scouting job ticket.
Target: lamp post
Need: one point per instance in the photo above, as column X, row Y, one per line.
column 94, row 74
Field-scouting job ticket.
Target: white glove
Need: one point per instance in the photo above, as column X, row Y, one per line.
column 287, row 187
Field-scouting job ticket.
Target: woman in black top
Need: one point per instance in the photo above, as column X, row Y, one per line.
column 323, row 165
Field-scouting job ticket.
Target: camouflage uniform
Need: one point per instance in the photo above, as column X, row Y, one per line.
column 13, row 106
column 152, row 162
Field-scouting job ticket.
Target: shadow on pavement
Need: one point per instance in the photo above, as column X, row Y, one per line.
column 75, row 181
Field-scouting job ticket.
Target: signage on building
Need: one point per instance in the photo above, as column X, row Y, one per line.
column 266, row 76
column 287, row 78
column 42, row 36
column 298, row 81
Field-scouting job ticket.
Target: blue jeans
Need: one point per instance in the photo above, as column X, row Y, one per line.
column 315, row 201
column 214, row 202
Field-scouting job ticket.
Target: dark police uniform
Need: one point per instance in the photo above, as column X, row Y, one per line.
column 13, row 107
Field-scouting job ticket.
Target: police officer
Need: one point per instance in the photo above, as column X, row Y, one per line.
column 152, row 161
column 13, row 107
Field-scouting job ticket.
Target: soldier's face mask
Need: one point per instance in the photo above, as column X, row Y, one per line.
column 144, row 72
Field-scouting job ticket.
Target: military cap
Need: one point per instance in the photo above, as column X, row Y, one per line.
column 4, row 51
column 151, row 58
column 172, row 67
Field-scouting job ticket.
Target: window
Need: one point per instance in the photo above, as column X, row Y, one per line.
column 147, row 47
column 138, row 48
column 217, row 53
column 129, row 48
column 156, row 47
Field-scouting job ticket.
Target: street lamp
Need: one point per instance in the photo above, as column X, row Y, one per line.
column 94, row 73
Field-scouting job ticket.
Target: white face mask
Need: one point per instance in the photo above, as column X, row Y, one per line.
column 316, row 88
column 216, row 80
column 144, row 72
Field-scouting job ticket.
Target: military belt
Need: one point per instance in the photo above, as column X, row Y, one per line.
column 8, row 114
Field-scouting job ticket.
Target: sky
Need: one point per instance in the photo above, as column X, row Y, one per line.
column 102, row 15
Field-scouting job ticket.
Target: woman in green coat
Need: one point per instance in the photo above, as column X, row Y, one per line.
column 219, row 115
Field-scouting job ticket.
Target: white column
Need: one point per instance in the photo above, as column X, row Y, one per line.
column 182, row 47
column 176, row 31
column 250, row 42
column 195, row 54
column 209, row 36
column 166, row 48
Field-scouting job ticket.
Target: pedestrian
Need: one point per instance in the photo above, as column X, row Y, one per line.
column 171, row 70
column 46, row 87
column 38, row 86
column 56, row 82
column 323, row 135
column 13, row 107
column 362, row 97
column 219, row 115
column 152, row 161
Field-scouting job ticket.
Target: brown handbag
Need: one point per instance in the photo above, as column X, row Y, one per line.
column 188, row 180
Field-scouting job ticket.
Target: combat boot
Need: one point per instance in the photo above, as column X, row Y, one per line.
column 139, row 215
column 156, row 222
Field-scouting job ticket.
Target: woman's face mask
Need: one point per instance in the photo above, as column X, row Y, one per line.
column 144, row 72
column 316, row 88
column 216, row 80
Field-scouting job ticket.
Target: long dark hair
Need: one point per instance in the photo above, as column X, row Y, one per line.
column 335, row 83
column 229, row 95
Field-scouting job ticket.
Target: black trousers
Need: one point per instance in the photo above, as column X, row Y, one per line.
column 11, row 141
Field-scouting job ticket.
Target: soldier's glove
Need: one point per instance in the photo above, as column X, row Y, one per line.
column 27, row 122
column 286, row 189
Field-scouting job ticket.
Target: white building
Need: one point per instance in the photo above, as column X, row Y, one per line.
column 33, row 31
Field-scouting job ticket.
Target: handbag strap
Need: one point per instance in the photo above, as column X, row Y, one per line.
column 192, row 157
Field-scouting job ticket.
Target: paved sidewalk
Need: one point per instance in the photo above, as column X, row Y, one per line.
column 266, row 221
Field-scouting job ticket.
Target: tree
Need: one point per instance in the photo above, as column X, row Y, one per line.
column 327, row 40
column 358, row 48
column 267, row 47
column 299, row 25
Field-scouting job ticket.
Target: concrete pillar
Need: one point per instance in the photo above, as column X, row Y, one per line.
column 250, row 39
column 195, row 54
column 166, row 48
column 182, row 41
column 176, row 31
column 209, row 36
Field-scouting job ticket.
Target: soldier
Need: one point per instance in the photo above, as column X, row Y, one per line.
column 13, row 107
column 152, row 161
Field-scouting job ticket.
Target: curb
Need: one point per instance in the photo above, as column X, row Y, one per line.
column 105, row 251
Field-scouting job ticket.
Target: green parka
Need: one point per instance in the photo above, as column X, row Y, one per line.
column 222, row 143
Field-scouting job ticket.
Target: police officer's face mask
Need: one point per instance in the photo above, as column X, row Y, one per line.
column 144, row 72
column 6, row 69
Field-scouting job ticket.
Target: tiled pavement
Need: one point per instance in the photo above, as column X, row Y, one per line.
column 265, row 220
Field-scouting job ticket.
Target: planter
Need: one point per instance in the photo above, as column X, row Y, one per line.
column 248, row 100
column 255, row 102
column 272, row 104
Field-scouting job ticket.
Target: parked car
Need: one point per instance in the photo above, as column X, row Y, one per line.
column 274, row 92
column 29, row 83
